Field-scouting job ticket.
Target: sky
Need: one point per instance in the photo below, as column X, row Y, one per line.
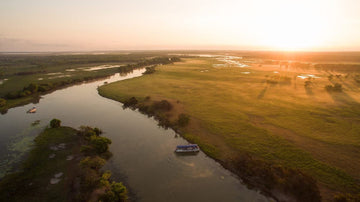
column 92, row 25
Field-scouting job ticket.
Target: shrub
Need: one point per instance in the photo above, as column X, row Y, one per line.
column 100, row 144
column 87, row 131
column 117, row 192
column 89, row 178
column 33, row 88
column 150, row 70
column 93, row 162
column 104, row 181
column 97, row 131
column 162, row 105
column 338, row 87
column 44, row 87
column 130, row 102
column 183, row 120
column 87, row 149
column 2, row 102
column 163, row 120
column 334, row 88
column 55, row 123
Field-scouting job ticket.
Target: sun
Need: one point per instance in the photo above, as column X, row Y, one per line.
column 292, row 26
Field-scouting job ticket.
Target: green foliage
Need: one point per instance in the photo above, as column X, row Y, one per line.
column 183, row 120
column 100, row 144
column 131, row 102
column 97, row 131
column 104, row 181
column 89, row 179
column 2, row 102
column 87, row 131
column 93, row 162
column 55, row 123
column 117, row 192
column 32, row 88
column 150, row 70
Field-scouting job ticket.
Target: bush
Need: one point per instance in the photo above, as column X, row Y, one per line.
column 89, row 179
column 87, row 131
column 104, row 181
column 2, row 102
column 32, row 88
column 163, row 105
column 55, row 123
column 130, row 102
column 183, row 120
column 150, row 70
column 97, row 131
column 100, row 144
column 117, row 192
column 334, row 88
column 93, row 162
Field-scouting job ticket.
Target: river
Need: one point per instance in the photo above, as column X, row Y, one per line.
column 143, row 153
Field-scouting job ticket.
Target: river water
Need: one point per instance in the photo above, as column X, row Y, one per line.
column 143, row 153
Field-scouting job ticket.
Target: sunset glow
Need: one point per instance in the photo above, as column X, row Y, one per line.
column 116, row 25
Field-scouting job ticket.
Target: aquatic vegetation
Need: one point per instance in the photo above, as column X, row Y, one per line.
column 56, row 169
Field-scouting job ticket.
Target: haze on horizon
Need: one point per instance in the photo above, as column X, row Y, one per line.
column 87, row 25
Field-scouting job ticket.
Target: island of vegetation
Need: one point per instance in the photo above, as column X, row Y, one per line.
column 64, row 165
column 289, row 129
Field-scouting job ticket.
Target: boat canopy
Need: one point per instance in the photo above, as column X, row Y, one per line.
column 187, row 146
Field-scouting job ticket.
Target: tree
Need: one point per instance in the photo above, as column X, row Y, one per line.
column 117, row 192
column 100, row 144
column 55, row 123
column 93, row 162
column 130, row 102
column 2, row 102
column 33, row 88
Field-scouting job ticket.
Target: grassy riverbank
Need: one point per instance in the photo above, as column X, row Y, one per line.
column 265, row 111
column 64, row 165
column 24, row 78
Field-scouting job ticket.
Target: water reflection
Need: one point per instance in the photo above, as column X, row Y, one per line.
column 143, row 153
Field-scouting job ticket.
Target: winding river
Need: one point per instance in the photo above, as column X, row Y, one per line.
column 143, row 153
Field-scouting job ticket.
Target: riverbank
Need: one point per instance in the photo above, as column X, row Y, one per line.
column 64, row 165
column 30, row 89
column 236, row 114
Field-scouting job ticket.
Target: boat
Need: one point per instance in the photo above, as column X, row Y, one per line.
column 32, row 110
column 191, row 148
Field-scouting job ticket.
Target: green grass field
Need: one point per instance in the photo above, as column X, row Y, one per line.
column 268, row 113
